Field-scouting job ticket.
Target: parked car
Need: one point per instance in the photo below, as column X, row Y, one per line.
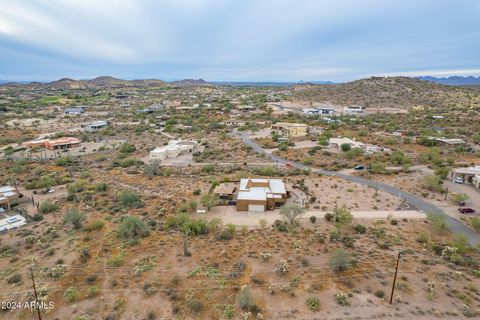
column 466, row 210
column 458, row 180
column 359, row 167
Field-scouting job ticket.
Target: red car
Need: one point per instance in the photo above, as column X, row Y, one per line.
column 466, row 210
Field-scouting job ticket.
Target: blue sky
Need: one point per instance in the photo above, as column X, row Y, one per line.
column 241, row 40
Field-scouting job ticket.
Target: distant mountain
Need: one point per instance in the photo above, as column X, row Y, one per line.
column 454, row 81
column 103, row 82
column 191, row 83
column 388, row 92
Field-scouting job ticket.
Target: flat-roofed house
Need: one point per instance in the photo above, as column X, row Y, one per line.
column 225, row 191
column 290, row 130
column 337, row 143
column 173, row 149
column 95, row 126
column 55, row 144
column 259, row 194
column 470, row 175
column 8, row 197
column 74, row 110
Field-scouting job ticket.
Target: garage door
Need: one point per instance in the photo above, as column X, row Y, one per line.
column 256, row 207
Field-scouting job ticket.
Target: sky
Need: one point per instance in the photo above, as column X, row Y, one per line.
column 238, row 40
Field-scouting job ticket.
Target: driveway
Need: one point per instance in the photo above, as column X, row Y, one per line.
column 421, row 204
column 229, row 214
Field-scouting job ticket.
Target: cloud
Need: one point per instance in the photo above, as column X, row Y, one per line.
column 241, row 40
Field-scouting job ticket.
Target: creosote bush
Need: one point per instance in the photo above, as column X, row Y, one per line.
column 132, row 228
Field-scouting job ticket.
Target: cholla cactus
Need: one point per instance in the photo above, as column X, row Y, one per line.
column 30, row 239
column 56, row 272
column 144, row 264
column 341, row 298
column 265, row 256
column 451, row 254
column 282, row 269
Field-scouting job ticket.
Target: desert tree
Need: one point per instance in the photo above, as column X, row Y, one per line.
column 291, row 211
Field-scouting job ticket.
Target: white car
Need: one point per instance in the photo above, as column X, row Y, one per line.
column 458, row 180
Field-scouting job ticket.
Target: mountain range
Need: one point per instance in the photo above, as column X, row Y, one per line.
column 454, row 81
column 104, row 82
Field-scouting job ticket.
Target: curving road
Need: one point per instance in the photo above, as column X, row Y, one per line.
column 453, row 224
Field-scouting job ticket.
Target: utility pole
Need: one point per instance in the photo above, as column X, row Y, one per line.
column 395, row 278
column 446, row 194
column 35, row 292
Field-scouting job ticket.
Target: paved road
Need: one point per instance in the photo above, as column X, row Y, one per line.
column 453, row 224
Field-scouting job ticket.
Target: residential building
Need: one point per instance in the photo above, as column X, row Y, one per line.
column 319, row 111
column 173, row 149
column 470, row 175
column 225, row 191
column 337, row 143
column 95, row 126
column 355, row 109
column 74, row 110
column 55, row 144
column 24, row 122
column 12, row 222
column 291, row 130
column 448, row 141
column 260, row 194
column 8, row 197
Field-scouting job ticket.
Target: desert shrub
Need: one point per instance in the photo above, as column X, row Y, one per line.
column 280, row 225
column 130, row 200
column 74, row 217
column 84, row 253
column 225, row 234
column 64, row 161
column 101, row 187
column 313, row 304
column 361, row 229
column 438, row 221
column 196, row 305
column 116, row 260
column 14, row 278
column 127, row 148
column 95, row 225
column 37, row 217
column 377, row 167
column 340, row 260
column 433, row 183
column 341, row 298
column 342, row 216
column 423, row 238
column 313, row 219
column 47, row 207
column 475, row 222
column 132, row 228
column 93, row 291
column 195, row 227
column 71, row 294
column 208, row 168
column 246, row 301
column 345, row 147
column 379, row 294
column 328, row 216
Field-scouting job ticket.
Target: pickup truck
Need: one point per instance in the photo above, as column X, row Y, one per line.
column 466, row 210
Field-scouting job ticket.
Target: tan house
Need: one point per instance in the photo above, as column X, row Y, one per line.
column 259, row 195
column 470, row 175
column 8, row 197
column 290, row 130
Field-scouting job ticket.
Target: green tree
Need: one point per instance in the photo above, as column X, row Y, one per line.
column 342, row 216
column 209, row 200
column 340, row 260
column 459, row 197
column 291, row 211
column 74, row 217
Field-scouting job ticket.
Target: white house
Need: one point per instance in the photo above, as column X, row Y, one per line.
column 173, row 149
column 355, row 109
